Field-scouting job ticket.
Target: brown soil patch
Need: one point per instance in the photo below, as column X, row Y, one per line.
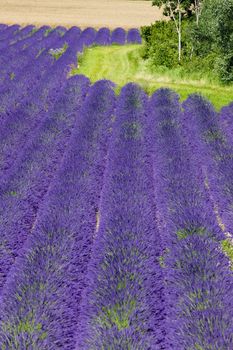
column 83, row 13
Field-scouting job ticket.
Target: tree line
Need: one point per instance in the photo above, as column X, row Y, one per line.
column 199, row 31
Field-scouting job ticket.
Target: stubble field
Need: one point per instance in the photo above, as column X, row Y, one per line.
column 84, row 13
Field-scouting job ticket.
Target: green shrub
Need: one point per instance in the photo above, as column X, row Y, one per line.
column 225, row 68
column 207, row 47
column 215, row 34
column 161, row 44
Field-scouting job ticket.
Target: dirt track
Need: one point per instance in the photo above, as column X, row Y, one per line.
column 83, row 13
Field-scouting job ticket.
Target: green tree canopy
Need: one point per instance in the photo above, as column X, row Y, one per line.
column 217, row 22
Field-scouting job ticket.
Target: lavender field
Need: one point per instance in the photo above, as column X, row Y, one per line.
column 116, row 210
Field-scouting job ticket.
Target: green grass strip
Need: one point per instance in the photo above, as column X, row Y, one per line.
column 123, row 64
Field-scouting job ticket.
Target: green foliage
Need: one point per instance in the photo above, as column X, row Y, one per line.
column 207, row 37
column 227, row 248
column 161, row 44
column 216, row 22
column 48, row 31
column 109, row 62
column 12, row 76
column 215, row 34
column 184, row 233
column 117, row 315
column 57, row 53
column 205, row 66
column 13, row 193
column 25, row 327
column 225, row 67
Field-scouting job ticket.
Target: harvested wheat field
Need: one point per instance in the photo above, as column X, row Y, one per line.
column 110, row 13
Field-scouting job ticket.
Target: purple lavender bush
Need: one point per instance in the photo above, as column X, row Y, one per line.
column 197, row 273
column 118, row 36
column 9, row 32
column 88, row 36
column 3, row 26
column 60, row 30
column 226, row 120
column 133, row 36
column 44, row 287
column 26, row 183
column 22, row 33
column 113, row 210
column 72, row 35
column 210, row 140
column 122, row 306
column 103, row 37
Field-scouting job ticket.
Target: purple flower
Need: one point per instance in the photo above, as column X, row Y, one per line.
column 133, row 36
column 122, row 305
column 118, row 36
column 198, row 278
column 103, row 37
column 45, row 285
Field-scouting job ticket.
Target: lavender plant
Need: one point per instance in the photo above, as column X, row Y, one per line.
column 22, row 33
column 209, row 140
column 3, row 26
column 88, row 36
column 24, row 186
column 133, row 36
column 122, row 306
column 197, row 274
column 226, row 116
column 40, row 307
column 9, row 32
column 103, row 37
column 118, row 36
column 72, row 35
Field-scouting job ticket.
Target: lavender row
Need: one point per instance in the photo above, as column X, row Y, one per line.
column 19, row 38
column 45, row 76
column 45, row 285
column 198, row 288
column 28, row 55
column 18, row 87
column 101, row 37
column 118, row 36
column 122, row 305
column 21, row 122
column 27, row 51
column 25, row 185
column 3, row 27
column 7, row 35
column 19, row 48
column 23, row 33
column 226, row 122
column 18, row 123
column 213, row 142
column 27, row 47
column 16, row 83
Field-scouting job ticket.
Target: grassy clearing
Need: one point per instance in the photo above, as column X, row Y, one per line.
column 123, row 64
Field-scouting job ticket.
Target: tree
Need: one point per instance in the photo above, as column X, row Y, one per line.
column 216, row 25
column 197, row 6
column 176, row 10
